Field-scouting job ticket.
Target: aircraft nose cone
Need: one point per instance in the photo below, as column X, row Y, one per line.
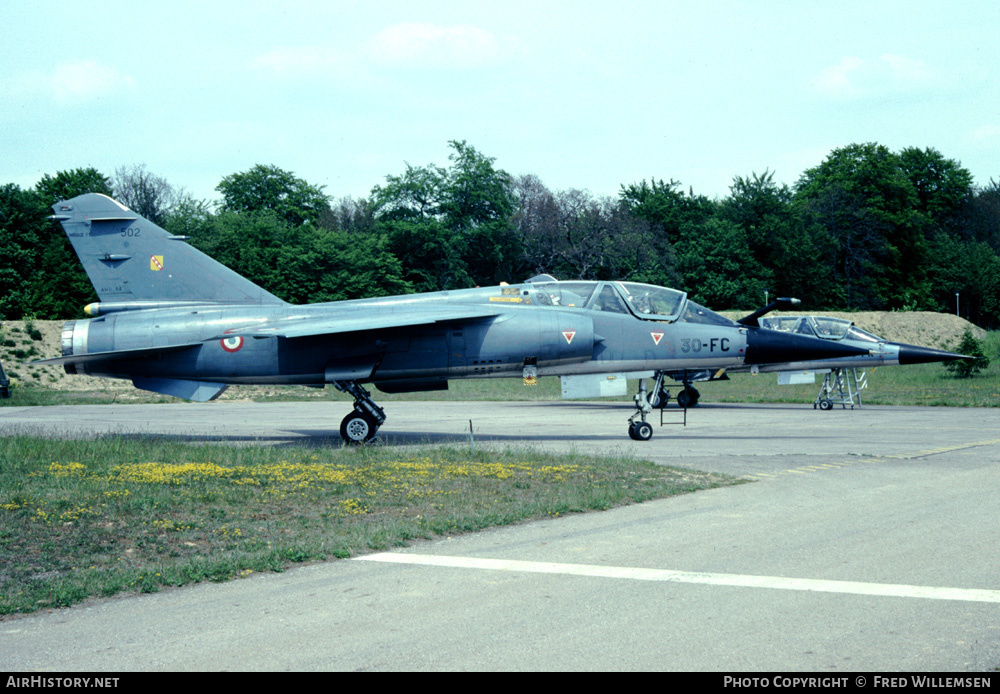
column 912, row 354
column 772, row 346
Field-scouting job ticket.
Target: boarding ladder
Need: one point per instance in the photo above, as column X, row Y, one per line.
column 843, row 387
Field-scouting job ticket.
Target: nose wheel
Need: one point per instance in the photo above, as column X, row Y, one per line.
column 640, row 431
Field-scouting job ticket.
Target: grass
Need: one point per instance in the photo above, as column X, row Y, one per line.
column 82, row 519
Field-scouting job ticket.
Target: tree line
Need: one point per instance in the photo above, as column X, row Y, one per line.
column 866, row 229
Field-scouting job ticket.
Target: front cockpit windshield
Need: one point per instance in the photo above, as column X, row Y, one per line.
column 695, row 313
column 650, row 302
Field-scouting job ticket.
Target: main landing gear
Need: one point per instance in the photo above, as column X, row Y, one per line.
column 659, row 398
column 688, row 397
column 361, row 425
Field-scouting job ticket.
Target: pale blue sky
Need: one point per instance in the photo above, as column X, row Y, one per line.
column 583, row 95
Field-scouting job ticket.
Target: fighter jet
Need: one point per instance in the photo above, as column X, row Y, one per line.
column 844, row 377
column 175, row 321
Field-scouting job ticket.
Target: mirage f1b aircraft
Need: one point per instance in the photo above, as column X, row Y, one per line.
column 174, row 321
column 844, row 377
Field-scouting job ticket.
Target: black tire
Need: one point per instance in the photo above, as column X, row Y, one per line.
column 358, row 427
column 695, row 396
column 641, row 431
column 684, row 399
column 631, row 431
column 826, row 404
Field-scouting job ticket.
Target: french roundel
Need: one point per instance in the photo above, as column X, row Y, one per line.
column 232, row 344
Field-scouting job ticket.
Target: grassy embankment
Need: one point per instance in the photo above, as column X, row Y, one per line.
column 83, row 519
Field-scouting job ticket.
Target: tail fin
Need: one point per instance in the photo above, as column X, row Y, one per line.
column 129, row 259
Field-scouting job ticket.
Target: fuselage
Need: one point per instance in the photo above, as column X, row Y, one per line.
column 528, row 324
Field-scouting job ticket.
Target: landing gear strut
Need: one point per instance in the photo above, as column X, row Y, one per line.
column 361, row 425
column 642, row 430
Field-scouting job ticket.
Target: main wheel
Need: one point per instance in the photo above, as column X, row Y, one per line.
column 358, row 427
column 826, row 404
column 688, row 397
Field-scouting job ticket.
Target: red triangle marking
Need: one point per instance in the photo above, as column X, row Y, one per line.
column 569, row 335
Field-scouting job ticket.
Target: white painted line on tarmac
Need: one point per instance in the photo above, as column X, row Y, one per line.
column 639, row 574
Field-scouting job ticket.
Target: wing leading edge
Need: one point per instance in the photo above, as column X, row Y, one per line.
column 310, row 326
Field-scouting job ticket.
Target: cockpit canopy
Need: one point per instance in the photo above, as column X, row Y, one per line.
column 644, row 301
column 819, row 326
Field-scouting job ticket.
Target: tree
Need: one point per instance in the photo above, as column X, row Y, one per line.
column 980, row 216
column 970, row 268
column 573, row 235
column 476, row 193
column 69, row 184
column 22, row 214
column 301, row 263
column 355, row 216
column 795, row 253
column 862, row 196
column 452, row 227
column 970, row 346
column 668, row 209
column 270, row 188
column 144, row 192
column 717, row 268
column 942, row 186
column 61, row 288
column 188, row 217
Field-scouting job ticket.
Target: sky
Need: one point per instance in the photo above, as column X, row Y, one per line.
column 583, row 95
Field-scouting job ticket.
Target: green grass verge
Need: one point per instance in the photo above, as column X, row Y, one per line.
column 80, row 519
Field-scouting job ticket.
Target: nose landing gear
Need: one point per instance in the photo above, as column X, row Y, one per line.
column 641, row 430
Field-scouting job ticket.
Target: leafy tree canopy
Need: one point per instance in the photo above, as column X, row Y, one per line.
column 69, row 184
column 270, row 188
column 667, row 208
column 453, row 226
